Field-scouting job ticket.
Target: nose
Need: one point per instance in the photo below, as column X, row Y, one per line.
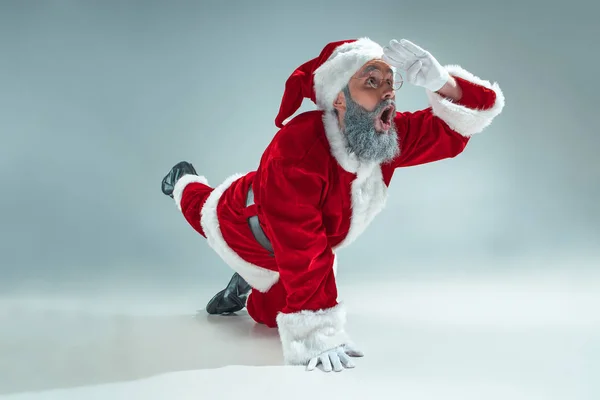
column 388, row 93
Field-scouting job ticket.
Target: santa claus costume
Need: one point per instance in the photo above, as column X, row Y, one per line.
column 310, row 196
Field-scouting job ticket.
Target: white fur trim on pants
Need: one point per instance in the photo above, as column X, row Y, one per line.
column 259, row 278
column 306, row 334
column 464, row 120
column 181, row 184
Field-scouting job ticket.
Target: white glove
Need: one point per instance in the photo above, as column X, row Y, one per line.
column 351, row 349
column 422, row 69
column 335, row 358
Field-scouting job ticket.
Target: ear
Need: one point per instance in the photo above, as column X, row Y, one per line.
column 340, row 102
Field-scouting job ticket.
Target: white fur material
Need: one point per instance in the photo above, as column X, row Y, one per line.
column 335, row 264
column 259, row 278
column 334, row 74
column 181, row 184
column 307, row 334
column 368, row 196
column 463, row 120
column 368, row 192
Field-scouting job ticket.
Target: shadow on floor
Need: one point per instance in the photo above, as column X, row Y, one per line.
column 46, row 350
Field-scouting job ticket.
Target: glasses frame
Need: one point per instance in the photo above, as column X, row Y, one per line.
column 397, row 79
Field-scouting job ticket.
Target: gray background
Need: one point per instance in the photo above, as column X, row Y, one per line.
column 98, row 99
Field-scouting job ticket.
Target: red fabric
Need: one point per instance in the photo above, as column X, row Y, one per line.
column 475, row 96
column 264, row 307
column 300, row 84
column 192, row 199
column 424, row 139
column 291, row 183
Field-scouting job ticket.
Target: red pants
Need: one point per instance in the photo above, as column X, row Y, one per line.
column 262, row 307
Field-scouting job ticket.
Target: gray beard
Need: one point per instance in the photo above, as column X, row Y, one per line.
column 361, row 137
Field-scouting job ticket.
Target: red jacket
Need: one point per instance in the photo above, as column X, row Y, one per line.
column 312, row 197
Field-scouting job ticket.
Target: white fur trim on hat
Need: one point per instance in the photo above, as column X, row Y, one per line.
column 347, row 59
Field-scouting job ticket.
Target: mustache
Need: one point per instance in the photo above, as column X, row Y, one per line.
column 385, row 103
column 382, row 105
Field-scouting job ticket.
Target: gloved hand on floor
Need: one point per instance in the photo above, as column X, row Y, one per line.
column 335, row 359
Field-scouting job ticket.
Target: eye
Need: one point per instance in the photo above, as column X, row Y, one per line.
column 372, row 81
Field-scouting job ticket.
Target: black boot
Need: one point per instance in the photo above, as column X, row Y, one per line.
column 232, row 298
column 179, row 170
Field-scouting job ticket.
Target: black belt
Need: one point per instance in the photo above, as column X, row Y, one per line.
column 255, row 227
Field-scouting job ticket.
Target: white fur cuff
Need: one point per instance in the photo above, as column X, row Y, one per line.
column 306, row 334
column 182, row 183
column 464, row 120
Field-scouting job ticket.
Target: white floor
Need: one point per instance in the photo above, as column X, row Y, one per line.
column 519, row 337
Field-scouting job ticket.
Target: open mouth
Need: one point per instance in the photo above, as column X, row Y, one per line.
column 384, row 122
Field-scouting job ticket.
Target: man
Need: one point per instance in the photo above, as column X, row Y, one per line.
column 322, row 180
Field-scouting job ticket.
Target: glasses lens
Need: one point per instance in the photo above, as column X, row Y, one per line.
column 375, row 78
column 398, row 81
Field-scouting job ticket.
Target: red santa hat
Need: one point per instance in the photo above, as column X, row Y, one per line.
column 323, row 77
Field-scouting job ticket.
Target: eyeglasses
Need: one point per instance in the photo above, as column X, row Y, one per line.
column 375, row 79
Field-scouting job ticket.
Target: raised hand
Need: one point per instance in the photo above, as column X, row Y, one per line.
column 421, row 68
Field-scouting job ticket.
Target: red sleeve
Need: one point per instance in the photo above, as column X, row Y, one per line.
column 291, row 206
column 426, row 136
column 475, row 96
